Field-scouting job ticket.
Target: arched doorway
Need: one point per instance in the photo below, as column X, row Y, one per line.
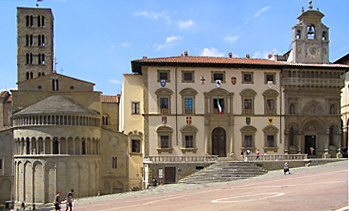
column 219, row 142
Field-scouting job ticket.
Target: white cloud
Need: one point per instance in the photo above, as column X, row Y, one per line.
column 114, row 81
column 231, row 39
column 172, row 39
column 153, row 15
column 264, row 55
column 125, row 44
column 170, row 42
column 261, row 11
column 211, row 52
column 186, row 24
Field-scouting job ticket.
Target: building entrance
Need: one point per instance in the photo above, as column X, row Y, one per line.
column 310, row 145
column 170, row 175
column 219, row 142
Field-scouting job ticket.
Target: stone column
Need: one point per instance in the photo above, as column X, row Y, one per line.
column 300, row 141
column 326, row 143
column 44, row 145
column 287, row 137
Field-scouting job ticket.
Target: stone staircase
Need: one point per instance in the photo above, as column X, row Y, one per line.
column 224, row 171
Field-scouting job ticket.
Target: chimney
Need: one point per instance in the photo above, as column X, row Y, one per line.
column 230, row 55
column 144, row 57
column 185, row 53
column 248, row 56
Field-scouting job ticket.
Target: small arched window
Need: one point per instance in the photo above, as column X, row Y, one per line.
column 311, row 31
column 324, row 35
column 293, row 108
column 105, row 119
column 298, row 34
column 83, row 148
column 332, row 109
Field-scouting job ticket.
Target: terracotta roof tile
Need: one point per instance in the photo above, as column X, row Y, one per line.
column 208, row 60
column 110, row 99
column 4, row 94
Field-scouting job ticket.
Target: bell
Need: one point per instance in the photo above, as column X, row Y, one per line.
column 310, row 30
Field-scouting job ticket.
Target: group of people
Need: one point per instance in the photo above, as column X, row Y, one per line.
column 286, row 167
column 248, row 152
column 68, row 198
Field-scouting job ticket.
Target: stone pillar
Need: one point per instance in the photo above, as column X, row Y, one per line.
column 44, row 145
column 300, row 141
column 326, row 143
column 51, row 145
column 67, row 146
column 287, row 137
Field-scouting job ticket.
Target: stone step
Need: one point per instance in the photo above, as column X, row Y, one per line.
column 224, row 171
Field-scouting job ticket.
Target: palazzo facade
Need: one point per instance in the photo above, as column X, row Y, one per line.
column 175, row 116
column 190, row 106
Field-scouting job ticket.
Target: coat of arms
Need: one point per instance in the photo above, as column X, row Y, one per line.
column 188, row 119
column 233, row 80
column 162, row 82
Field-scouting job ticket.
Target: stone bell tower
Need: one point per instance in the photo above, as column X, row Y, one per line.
column 34, row 43
column 310, row 38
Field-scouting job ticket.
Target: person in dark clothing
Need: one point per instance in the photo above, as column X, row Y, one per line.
column 57, row 201
column 286, row 168
column 69, row 198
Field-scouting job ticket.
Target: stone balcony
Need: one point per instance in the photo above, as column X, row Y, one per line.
column 180, row 159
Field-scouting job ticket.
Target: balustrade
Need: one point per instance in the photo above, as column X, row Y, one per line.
column 180, row 159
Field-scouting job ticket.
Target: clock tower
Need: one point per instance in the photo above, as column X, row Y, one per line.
column 310, row 38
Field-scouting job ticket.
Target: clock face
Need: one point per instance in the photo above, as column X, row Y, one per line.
column 313, row 52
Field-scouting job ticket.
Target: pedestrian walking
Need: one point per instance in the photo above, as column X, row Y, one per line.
column 286, row 168
column 69, row 198
column 257, row 154
column 57, row 201
column 242, row 154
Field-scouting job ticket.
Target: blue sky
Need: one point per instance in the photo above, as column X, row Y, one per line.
column 95, row 40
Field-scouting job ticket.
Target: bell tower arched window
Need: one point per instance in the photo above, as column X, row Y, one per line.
column 311, row 32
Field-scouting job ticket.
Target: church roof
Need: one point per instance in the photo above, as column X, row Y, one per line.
column 55, row 104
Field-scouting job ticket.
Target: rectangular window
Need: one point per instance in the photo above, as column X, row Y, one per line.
column 165, row 141
column 218, row 76
column 270, row 104
column 189, row 141
column 218, row 105
column 135, row 108
column 41, row 59
column 269, row 77
column 163, row 76
column 248, row 106
column 164, row 105
column 247, row 77
column 114, row 162
column 270, row 141
column 0, row 163
column 29, row 20
column 136, row 146
column 248, row 141
column 187, row 77
column 188, row 105
column 41, row 40
column 41, row 21
column 29, row 58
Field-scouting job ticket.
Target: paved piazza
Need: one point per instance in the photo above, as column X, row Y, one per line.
column 322, row 187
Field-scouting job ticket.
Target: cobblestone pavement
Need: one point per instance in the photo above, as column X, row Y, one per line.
column 172, row 188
